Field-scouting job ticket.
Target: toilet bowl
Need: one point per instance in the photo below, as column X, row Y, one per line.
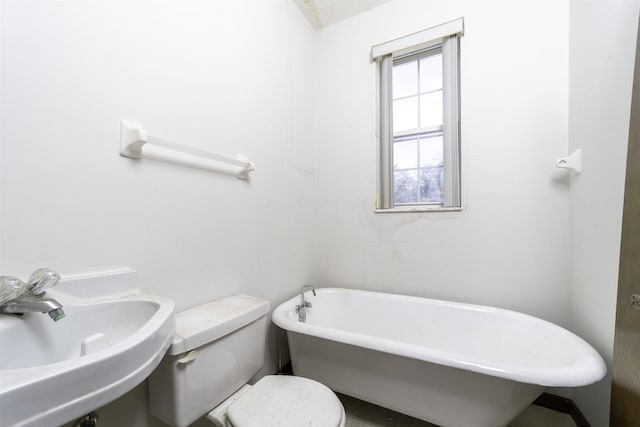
column 218, row 347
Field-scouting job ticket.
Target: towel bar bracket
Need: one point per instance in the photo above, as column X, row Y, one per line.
column 572, row 162
column 132, row 138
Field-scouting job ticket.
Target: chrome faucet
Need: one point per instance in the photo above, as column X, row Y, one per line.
column 27, row 303
column 31, row 297
column 302, row 308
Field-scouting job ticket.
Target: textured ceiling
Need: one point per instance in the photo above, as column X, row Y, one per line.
column 322, row 13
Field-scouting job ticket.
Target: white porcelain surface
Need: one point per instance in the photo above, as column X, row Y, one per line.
column 436, row 356
column 482, row 339
column 287, row 401
column 218, row 347
column 111, row 339
column 207, row 322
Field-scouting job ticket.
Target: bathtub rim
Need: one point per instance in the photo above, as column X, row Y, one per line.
column 588, row 367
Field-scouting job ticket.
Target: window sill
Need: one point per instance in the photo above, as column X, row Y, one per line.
column 405, row 209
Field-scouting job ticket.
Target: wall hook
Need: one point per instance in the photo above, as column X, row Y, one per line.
column 572, row 162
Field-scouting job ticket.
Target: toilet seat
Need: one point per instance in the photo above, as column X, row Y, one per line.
column 286, row 401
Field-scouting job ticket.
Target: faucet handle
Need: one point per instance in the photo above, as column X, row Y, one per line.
column 10, row 288
column 40, row 280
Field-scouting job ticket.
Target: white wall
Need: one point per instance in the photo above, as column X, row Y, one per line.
column 227, row 76
column 509, row 247
column 603, row 41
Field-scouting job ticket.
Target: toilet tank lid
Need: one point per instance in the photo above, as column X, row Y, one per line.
column 208, row 322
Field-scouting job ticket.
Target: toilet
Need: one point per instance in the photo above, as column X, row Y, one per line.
column 218, row 347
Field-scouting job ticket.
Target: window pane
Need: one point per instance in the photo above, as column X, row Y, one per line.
column 430, row 109
column 431, row 151
column 431, row 185
column 430, row 73
column 405, row 154
column 405, row 114
column 405, row 186
column 405, row 79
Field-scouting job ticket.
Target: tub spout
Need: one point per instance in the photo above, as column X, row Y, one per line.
column 302, row 308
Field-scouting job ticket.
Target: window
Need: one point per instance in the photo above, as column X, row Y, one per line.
column 419, row 134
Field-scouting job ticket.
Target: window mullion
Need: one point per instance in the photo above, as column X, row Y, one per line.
column 417, row 132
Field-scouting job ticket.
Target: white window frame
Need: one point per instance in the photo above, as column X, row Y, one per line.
column 446, row 38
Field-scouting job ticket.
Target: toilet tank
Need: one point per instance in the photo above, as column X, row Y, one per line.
column 218, row 347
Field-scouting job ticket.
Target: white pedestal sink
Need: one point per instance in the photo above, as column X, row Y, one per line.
column 111, row 339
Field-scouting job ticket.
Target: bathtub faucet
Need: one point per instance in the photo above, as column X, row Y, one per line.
column 302, row 308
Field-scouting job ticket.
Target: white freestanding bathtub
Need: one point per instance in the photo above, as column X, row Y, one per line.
column 448, row 363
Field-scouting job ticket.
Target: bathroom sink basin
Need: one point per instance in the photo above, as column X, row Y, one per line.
column 110, row 340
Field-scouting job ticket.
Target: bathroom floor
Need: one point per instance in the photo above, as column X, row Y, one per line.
column 363, row 414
